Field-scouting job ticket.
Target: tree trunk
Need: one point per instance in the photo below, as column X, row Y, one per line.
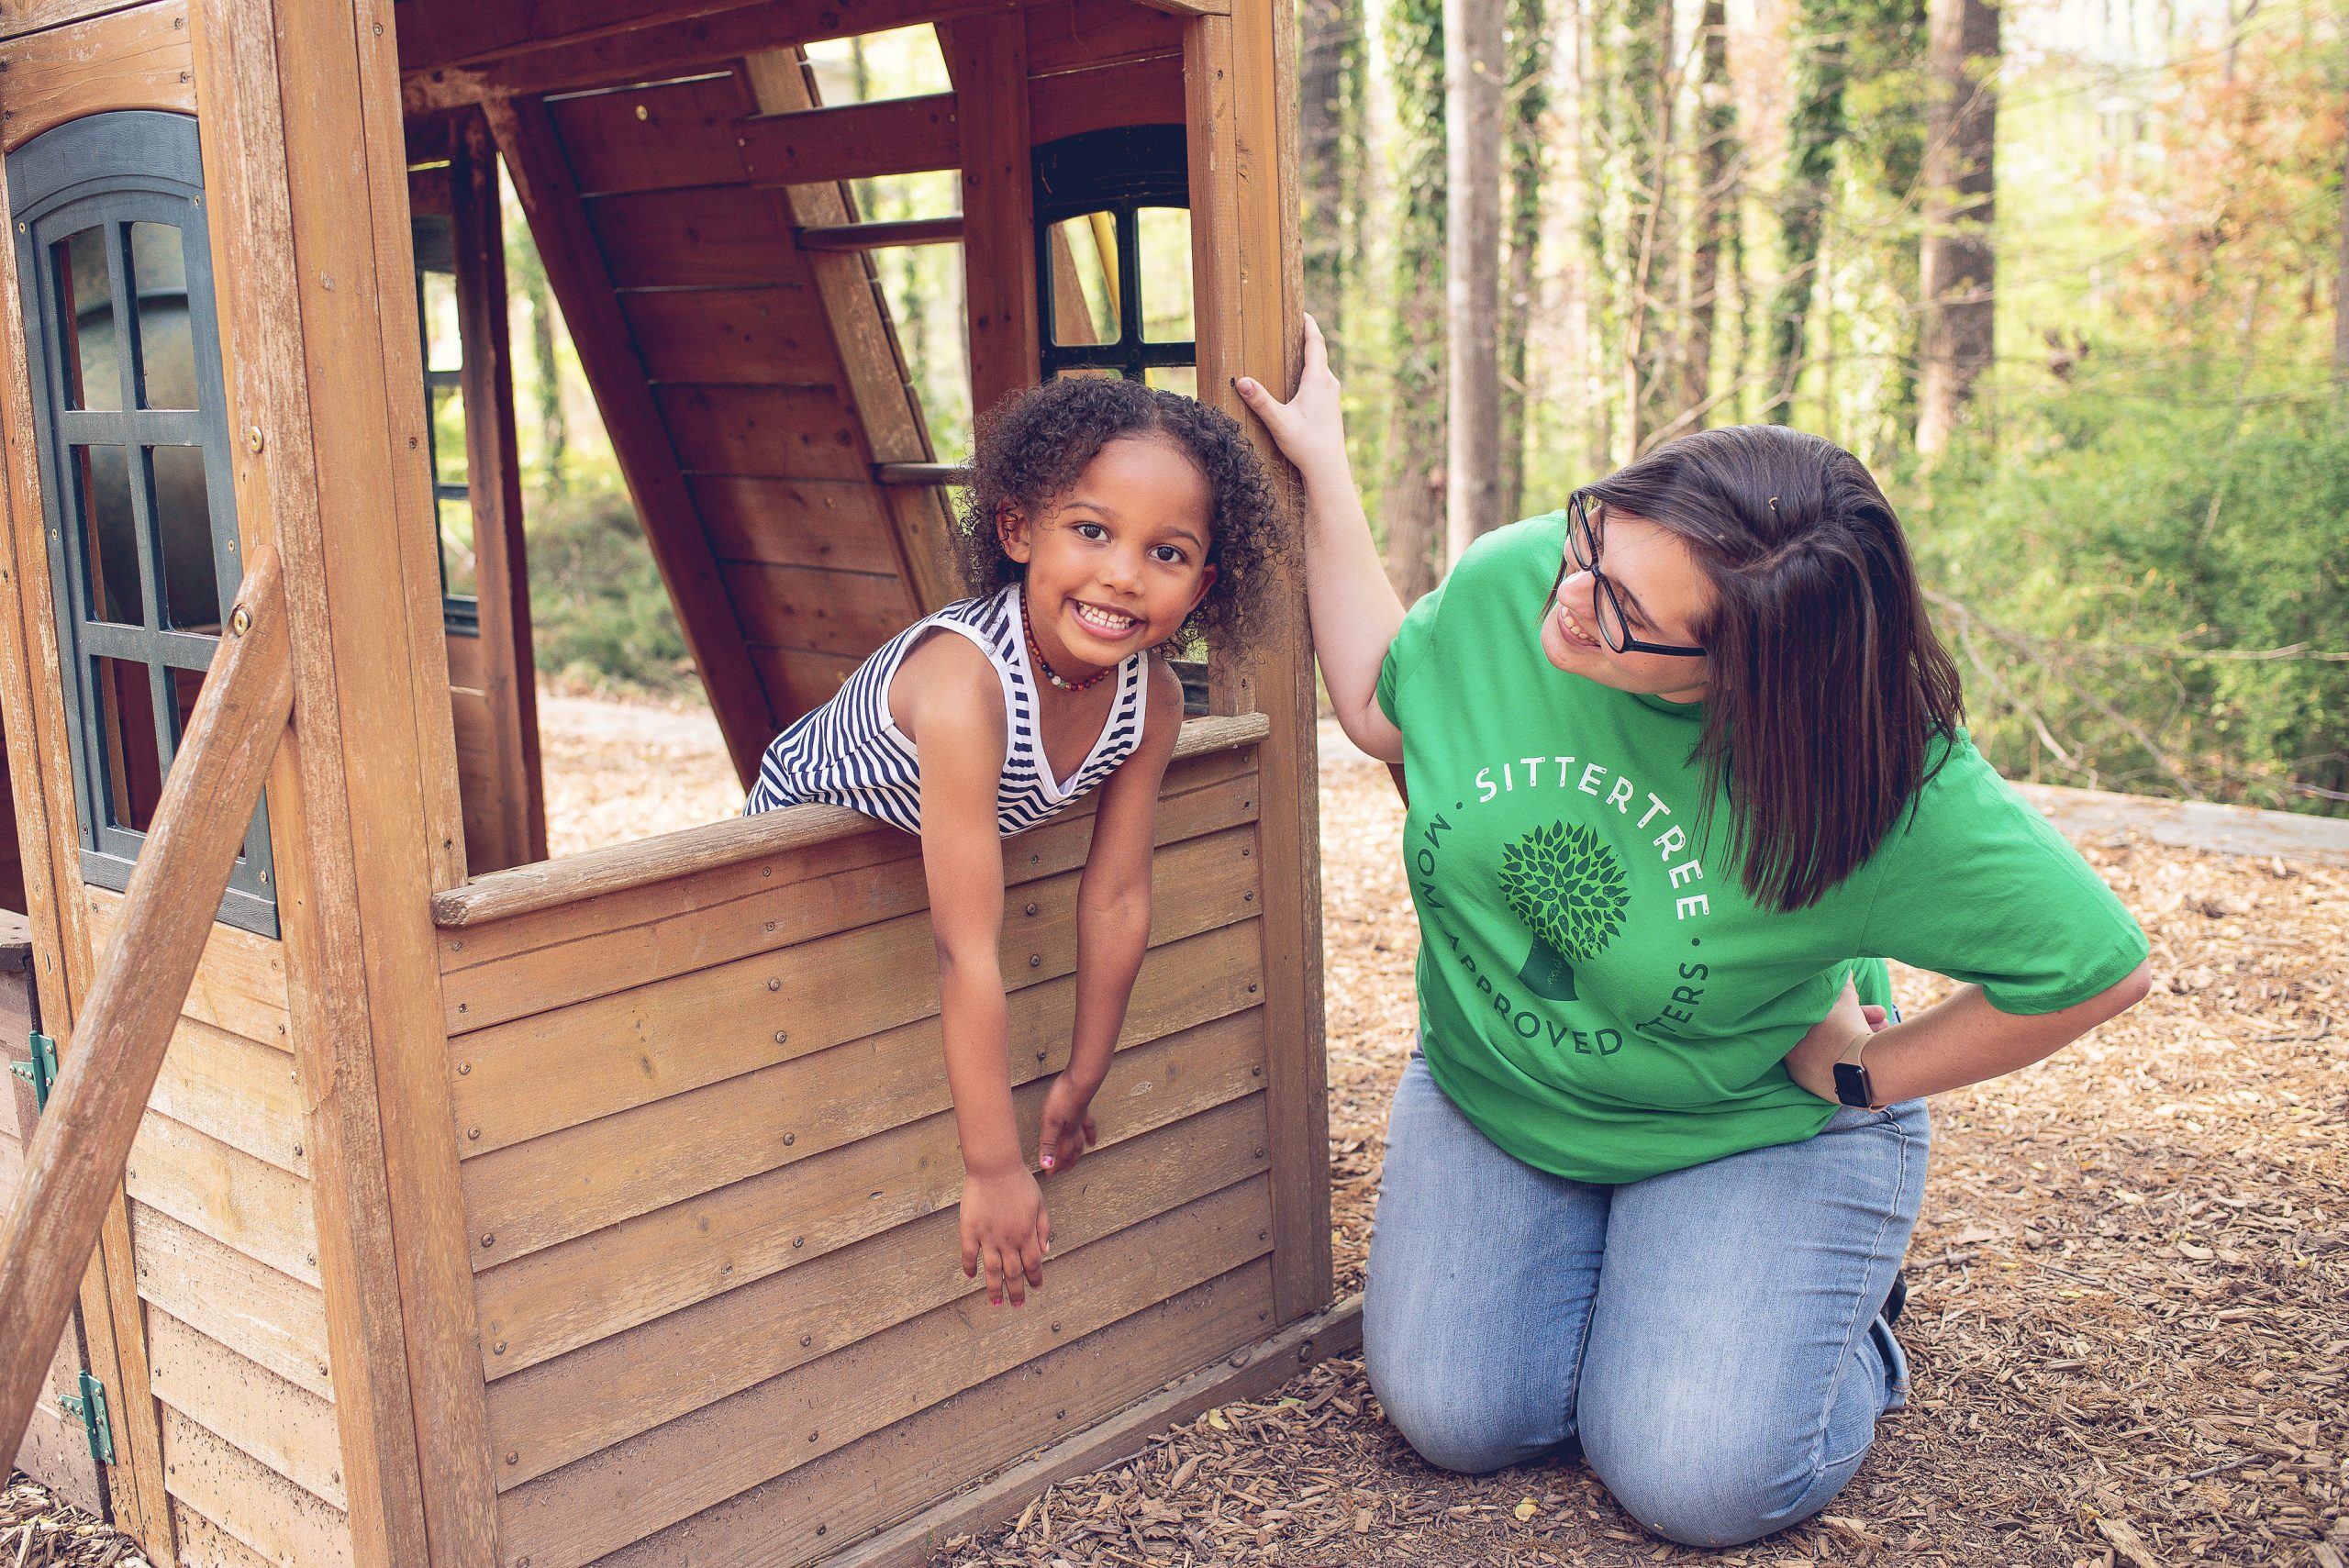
column 1960, row 264
column 1528, row 130
column 1412, row 496
column 1720, row 161
column 2340, row 293
column 1475, row 57
column 1652, row 239
column 1814, row 126
column 526, row 276
column 1331, row 66
column 1597, row 141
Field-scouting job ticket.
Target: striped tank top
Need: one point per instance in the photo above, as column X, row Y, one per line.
column 850, row 753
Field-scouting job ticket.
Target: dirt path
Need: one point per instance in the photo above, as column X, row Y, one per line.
column 2127, row 1319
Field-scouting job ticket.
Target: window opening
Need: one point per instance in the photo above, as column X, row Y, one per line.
column 434, row 236
column 1113, row 259
column 138, row 508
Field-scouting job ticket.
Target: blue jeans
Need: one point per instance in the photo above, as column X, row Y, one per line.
column 1708, row 1336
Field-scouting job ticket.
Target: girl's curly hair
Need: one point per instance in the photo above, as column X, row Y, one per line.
column 1032, row 446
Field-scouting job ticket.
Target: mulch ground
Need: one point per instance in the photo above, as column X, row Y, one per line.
column 2128, row 1322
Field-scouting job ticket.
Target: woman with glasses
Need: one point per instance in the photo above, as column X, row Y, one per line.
column 1684, row 766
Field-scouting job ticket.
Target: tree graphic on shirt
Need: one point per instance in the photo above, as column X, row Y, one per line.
column 1567, row 887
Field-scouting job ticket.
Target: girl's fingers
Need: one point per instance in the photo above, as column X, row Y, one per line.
column 970, row 1259
column 1031, row 1260
column 994, row 1276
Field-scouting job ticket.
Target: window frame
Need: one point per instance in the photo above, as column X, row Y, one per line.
column 109, row 171
column 1118, row 170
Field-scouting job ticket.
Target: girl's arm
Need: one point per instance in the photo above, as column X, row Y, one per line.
column 1354, row 609
column 948, row 699
column 1960, row 1039
column 1112, row 921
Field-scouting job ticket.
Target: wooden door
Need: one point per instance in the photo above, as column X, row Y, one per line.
column 476, row 489
column 56, row 1449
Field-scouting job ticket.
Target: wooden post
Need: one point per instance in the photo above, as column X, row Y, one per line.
column 74, row 1165
column 989, row 59
column 306, row 170
column 494, row 487
column 1239, row 75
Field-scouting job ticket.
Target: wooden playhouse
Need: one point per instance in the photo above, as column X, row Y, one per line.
column 487, row 1209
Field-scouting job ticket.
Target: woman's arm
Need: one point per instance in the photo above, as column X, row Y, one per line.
column 948, row 698
column 1354, row 608
column 1959, row 1040
column 1112, row 921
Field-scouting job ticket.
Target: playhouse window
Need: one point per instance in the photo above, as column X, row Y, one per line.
column 1113, row 256
column 123, row 345
column 444, row 396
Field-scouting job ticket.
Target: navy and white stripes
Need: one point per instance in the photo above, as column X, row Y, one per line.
column 850, row 753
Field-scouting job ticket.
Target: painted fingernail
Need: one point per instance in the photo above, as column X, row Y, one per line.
column 1048, row 1161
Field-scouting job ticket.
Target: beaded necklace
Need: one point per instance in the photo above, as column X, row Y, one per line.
column 1036, row 654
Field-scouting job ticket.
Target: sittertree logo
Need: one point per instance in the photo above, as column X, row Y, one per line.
column 1567, row 887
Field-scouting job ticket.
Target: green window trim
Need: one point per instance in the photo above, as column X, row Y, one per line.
column 121, row 485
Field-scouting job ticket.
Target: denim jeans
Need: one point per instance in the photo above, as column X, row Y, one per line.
column 1709, row 1336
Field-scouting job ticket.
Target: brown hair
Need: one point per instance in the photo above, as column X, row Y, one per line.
column 1827, row 686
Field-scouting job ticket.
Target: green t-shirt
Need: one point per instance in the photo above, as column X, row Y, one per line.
column 1596, row 992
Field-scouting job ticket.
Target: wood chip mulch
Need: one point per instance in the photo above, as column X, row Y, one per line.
column 2128, row 1322
column 2129, row 1312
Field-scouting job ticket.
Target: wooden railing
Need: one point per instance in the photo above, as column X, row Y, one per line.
column 75, row 1162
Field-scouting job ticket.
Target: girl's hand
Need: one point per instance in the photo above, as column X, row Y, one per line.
column 1068, row 1126
column 1005, row 1227
column 1309, row 428
column 1811, row 1062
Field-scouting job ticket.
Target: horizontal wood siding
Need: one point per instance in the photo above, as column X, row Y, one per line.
column 223, row 1251
column 711, row 1173
column 822, row 1506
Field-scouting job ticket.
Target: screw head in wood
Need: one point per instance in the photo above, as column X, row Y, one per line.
column 253, row 442
column 789, row 1138
column 241, row 622
column 489, row 1240
column 798, row 1242
column 807, row 1340
column 642, row 113
column 512, row 1457
column 775, row 985
column 782, row 1036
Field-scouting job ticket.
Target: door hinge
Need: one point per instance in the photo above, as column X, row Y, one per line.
column 40, row 1072
column 90, row 1409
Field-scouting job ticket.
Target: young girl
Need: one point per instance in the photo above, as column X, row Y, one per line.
column 1104, row 520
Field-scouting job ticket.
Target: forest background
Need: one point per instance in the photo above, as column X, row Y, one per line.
column 2066, row 274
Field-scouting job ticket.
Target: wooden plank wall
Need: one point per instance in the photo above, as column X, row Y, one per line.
column 720, row 309
column 710, row 1171
column 226, row 1241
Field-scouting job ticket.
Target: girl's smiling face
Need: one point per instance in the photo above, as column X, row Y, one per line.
column 1118, row 562
column 1664, row 596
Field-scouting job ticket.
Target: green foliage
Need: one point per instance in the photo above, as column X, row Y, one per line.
column 2137, row 596
column 601, row 615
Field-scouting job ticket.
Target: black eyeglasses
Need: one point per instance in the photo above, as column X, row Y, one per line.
column 1582, row 543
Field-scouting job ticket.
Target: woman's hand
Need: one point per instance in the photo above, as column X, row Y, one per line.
column 1068, row 1130
column 1812, row 1061
column 1310, row 426
column 1004, row 1229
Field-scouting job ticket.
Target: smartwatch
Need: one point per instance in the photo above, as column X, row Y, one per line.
column 1851, row 1086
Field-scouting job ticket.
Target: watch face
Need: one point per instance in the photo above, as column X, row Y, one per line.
column 1852, row 1085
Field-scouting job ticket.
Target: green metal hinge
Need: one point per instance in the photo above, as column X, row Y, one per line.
column 91, row 1410
column 40, row 1072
